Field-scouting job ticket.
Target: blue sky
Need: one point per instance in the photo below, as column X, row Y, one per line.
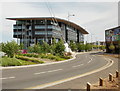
column 95, row 17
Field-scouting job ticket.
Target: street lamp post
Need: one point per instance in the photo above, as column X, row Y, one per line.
column 70, row 15
column 68, row 20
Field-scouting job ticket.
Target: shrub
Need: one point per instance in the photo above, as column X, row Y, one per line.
column 45, row 47
column 73, row 46
column 52, row 57
column 43, row 55
column 66, row 57
column 88, row 47
column 29, row 55
column 28, row 59
column 80, row 47
column 57, row 58
column 10, row 48
column 59, row 48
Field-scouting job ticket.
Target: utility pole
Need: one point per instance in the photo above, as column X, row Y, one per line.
column 68, row 21
column 46, row 30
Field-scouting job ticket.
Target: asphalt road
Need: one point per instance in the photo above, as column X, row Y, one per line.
column 43, row 76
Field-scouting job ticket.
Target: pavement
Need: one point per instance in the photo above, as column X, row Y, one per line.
column 66, row 75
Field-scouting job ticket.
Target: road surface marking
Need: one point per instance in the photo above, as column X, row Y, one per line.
column 90, row 60
column 11, row 77
column 7, row 78
column 77, row 65
column 110, row 63
column 39, row 73
column 47, row 71
column 3, row 78
column 55, row 70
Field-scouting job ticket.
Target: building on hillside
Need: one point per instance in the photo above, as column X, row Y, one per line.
column 112, row 36
column 32, row 30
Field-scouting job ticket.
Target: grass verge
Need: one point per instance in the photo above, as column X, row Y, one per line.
column 13, row 62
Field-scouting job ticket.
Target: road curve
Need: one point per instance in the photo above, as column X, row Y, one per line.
column 43, row 76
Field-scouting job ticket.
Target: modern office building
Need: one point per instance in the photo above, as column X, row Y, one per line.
column 112, row 36
column 33, row 30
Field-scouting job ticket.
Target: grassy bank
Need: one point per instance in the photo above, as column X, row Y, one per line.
column 29, row 59
column 14, row 62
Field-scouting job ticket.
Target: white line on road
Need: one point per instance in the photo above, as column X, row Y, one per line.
column 7, row 78
column 47, row 71
column 90, row 60
column 110, row 63
column 39, row 73
column 55, row 70
column 77, row 65
column 11, row 77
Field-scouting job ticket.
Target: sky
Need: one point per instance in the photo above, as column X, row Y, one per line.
column 95, row 17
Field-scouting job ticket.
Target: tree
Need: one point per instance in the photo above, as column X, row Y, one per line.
column 80, row 47
column 21, row 46
column 35, row 49
column 45, row 47
column 73, row 46
column 88, row 47
column 59, row 48
column 53, row 46
column 102, row 47
column 10, row 48
column 112, row 47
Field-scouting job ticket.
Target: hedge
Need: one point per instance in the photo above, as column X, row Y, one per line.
column 28, row 59
column 29, row 55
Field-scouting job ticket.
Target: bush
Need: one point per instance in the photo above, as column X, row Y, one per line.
column 35, row 49
column 80, row 47
column 43, row 55
column 45, row 47
column 52, row 57
column 10, row 48
column 9, row 62
column 59, row 48
column 66, row 57
column 28, row 59
column 29, row 55
column 73, row 46
column 88, row 47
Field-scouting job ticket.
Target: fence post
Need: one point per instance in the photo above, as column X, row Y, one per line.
column 110, row 77
column 117, row 74
column 100, row 82
column 88, row 86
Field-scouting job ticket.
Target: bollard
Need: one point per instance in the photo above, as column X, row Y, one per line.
column 117, row 74
column 100, row 82
column 110, row 77
column 88, row 86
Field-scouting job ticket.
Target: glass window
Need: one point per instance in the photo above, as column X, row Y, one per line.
column 43, row 32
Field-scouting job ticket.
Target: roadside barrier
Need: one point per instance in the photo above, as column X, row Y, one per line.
column 117, row 73
column 110, row 77
column 88, row 86
column 101, row 82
